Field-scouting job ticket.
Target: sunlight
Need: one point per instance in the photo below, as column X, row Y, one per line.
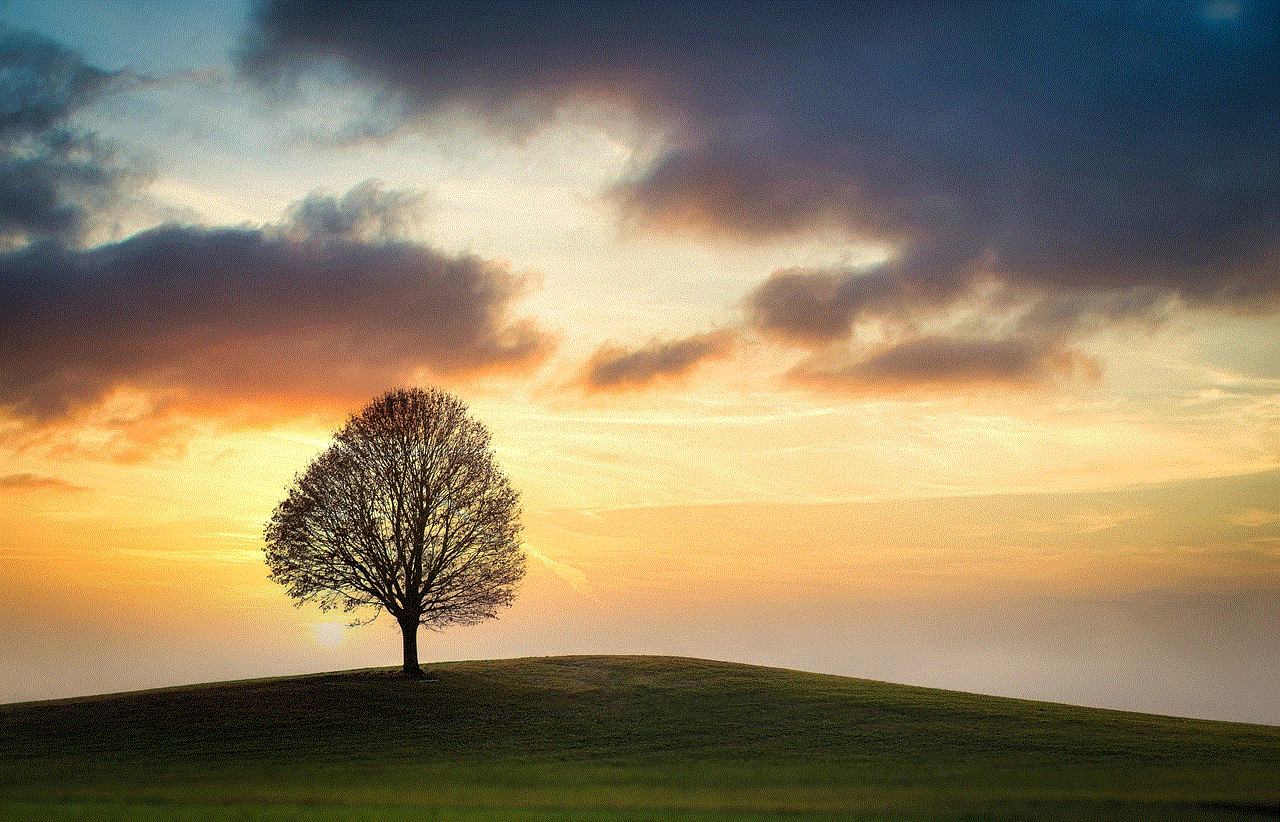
column 329, row 634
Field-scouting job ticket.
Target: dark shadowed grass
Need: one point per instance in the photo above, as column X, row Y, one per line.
column 617, row 738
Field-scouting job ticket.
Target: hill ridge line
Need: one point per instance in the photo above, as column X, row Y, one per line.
column 392, row 672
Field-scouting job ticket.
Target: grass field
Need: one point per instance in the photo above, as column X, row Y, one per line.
column 616, row 738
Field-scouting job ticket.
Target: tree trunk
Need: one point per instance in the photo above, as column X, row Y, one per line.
column 409, row 628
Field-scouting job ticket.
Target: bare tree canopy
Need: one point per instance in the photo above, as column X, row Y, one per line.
column 406, row 512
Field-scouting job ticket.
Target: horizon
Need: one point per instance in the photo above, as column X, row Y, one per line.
column 927, row 346
column 394, row 670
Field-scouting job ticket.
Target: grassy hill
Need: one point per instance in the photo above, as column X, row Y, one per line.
column 628, row 738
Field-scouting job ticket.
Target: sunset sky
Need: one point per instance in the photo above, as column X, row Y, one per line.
column 929, row 343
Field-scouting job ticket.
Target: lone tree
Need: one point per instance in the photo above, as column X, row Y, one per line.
column 406, row 512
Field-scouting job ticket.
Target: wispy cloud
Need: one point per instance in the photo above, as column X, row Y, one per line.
column 1255, row 517
column 576, row 578
column 932, row 363
column 227, row 555
column 37, row 482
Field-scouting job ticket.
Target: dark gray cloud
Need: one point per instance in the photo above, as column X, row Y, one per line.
column 366, row 213
column 513, row 63
column 816, row 307
column 248, row 316
column 1059, row 146
column 59, row 184
column 54, row 179
column 43, row 82
column 948, row 363
column 732, row 190
column 615, row 368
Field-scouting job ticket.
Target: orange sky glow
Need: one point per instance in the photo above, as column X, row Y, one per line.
column 757, row 409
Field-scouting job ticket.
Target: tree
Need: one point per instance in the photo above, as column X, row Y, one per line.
column 406, row 512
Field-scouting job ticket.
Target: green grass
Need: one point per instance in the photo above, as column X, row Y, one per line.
column 617, row 738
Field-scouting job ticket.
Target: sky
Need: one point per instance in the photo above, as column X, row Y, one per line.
column 933, row 343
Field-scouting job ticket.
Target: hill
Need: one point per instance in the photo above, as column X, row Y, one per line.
column 595, row 738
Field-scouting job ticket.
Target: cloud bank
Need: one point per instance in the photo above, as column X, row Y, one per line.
column 248, row 314
column 1079, row 164
column 332, row 304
